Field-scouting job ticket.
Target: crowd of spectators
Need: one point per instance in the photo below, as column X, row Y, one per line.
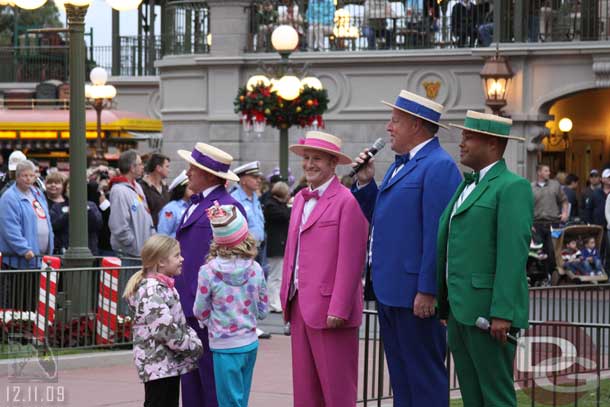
column 383, row 23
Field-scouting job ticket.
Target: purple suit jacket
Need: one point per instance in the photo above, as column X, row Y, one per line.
column 195, row 237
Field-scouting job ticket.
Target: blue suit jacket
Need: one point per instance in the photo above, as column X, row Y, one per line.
column 404, row 213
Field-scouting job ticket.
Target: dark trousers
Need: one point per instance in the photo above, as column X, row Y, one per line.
column 162, row 392
column 198, row 386
column 415, row 350
column 544, row 231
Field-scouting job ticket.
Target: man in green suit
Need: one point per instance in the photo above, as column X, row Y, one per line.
column 483, row 241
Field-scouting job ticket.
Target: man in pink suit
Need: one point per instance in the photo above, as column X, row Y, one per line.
column 322, row 288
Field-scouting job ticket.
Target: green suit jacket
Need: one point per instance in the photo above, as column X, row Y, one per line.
column 483, row 249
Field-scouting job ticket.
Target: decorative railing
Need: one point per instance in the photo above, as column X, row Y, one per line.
column 410, row 24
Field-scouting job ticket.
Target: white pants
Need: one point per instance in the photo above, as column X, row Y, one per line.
column 274, row 282
column 316, row 34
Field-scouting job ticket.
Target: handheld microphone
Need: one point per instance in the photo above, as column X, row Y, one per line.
column 484, row 325
column 377, row 145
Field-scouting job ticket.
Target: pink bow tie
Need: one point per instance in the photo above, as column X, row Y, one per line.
column 308, row 194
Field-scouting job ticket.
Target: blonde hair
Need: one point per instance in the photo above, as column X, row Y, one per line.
column 281, row 190
column 157, row 248
column 246, row 249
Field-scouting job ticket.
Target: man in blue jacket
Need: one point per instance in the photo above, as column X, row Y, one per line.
column 404, row 212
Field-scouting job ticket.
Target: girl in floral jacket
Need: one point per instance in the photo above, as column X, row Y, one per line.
column 164, row 346
column 231, row 295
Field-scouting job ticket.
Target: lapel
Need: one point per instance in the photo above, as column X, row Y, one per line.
column 322, row 203
column 297, row 213
column 411, row 165
column 482, row 186
column 203, row 205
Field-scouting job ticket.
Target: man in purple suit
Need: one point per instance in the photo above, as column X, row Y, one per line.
column 207, row 173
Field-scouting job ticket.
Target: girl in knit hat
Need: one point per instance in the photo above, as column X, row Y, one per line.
column 231, row 295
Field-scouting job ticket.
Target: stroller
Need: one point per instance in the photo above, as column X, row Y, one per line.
column 536, row 263
column 535, row 267
column 579, row 233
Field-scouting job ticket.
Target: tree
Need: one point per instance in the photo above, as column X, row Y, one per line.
column 46, row 16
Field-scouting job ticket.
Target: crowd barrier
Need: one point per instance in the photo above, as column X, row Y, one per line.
column 40, row 306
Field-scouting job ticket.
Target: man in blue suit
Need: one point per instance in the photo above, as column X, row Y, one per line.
column 404, row 212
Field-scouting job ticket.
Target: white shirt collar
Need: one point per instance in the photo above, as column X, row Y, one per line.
column 418, row 147
column 486, row 170
column 323, row 187
column 209, row 190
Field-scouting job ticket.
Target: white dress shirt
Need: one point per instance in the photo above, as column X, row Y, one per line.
column 412, row 154
column 470, row 187
column 307, row 210
column 205, row 193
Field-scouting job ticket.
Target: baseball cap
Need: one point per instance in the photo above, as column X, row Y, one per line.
column 606, row 173
column 15, row 158
column 594, row 173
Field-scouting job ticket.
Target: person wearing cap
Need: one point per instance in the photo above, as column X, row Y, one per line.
column 321, row 293
column 8, row 179
column 171, row 214
column 246, row 193
column 483, row 242
column 404, row 212
column 551, row 207
column 591, row 200
column 207, row 173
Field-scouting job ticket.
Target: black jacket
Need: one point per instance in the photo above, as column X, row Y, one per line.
column 594, row 206
column 277, row 218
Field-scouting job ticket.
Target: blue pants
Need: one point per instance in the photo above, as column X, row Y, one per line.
column 233, row 376
column 415, row 350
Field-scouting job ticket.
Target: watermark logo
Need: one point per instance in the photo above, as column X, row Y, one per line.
column 32, row 361
column 557, row 363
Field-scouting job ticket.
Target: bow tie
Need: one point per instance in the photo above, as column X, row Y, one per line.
column 308, row 194
column 401, row 159
column 196, row 198
column 471, row 177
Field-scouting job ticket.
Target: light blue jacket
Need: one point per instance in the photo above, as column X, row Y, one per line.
column 170, row 216
column 18, row 228
column 254, row 213
column 321, row 12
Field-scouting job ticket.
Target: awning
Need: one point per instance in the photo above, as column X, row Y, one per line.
column 136, row 135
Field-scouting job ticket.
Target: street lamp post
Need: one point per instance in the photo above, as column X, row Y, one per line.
column 100, row 97
column 288, row 86
column 78, row 253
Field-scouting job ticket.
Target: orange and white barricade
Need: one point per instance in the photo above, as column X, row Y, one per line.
column 108, row 300
column 46, row 297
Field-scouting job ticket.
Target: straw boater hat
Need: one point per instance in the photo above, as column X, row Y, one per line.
column 316, row 140
column 210, row 159
column 488, row 124
column 418, row 106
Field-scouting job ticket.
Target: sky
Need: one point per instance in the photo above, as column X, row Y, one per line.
column 99, row 17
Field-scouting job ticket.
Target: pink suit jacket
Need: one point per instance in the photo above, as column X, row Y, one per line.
column 331, row 258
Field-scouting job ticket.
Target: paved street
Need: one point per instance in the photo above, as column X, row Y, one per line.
column 91, row 384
